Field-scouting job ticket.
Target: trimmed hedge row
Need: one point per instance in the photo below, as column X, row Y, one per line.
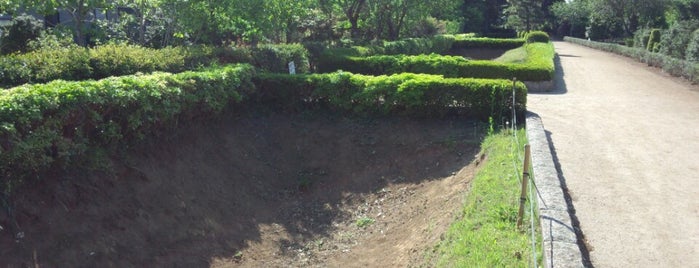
column 415, row 46
column 58, row 125
column 403, row 94
column 537, row 37
column 77, row 63
column 485, row 42
column 673, row 66
column 538, row 67
column 411, row 46
column 55, row 125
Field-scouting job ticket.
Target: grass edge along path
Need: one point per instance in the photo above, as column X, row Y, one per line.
column 485, row 234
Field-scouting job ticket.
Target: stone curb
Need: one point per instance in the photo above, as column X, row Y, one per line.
column 560, row 248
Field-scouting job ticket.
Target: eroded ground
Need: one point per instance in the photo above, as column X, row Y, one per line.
column 255, row 190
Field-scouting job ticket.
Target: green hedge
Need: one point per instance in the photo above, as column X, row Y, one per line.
column 673, row 66
column 68, row 63
column 410, row 46
column 61, row 124
column 537, row 37
column 77, row 63
column 48, row 126
column 415, row 46
column 275, row 58
column 403, row 94
column 538, row 67
column 485, row 42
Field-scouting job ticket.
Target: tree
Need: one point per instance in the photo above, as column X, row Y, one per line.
column 79, row 11
column 575, row 13
column 684, row 9
column 523, row 15
column 286, row 16
column 628, row 15
column 145, row 12
column 352, row 10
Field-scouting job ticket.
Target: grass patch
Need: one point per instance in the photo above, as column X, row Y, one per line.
column 365, row 222
column 485, row 235
column 517, row 55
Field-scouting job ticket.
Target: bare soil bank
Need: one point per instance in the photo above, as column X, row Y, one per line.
column 272, row 190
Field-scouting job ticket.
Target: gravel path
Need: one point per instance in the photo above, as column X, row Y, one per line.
column 627, row 139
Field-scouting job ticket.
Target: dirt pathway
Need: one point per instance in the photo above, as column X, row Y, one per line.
column 627, row 139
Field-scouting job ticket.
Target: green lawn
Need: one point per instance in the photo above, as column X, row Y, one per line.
column 517, row 55
column 485, row 235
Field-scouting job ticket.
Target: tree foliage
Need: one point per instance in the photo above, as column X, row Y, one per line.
column 572, row 16
column 524, row 15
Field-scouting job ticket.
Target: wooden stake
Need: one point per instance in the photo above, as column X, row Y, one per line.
column 525, row 177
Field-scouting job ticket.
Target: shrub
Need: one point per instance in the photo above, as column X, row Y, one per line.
column 275, row 58
column 676, row 67
column 46, row 64
column 52, row 126
column 403, row 94
column 415, row 46
column 21, row 30
column 537, row 37
column 537, row 67
column 77, row 63
column 653, row 40
column 485, row 42
column 641, row 37
column 122, row 59
column 411, row 46
column 692, row 53
column 674, row 42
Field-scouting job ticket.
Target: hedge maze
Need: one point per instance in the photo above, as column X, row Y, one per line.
column 62, row 107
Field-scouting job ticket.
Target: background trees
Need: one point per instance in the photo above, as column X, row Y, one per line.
column 160, row 23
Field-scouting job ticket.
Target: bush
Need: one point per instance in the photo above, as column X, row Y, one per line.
column 53, row 126
column 46, row 64
column 123, row 59
column 402, row 94
column 415, row 46
column 21, row 30
column 692, row 53
column 676, row 67
column 537, row 67
column 537, row 37
column 641, row 37
column 77, row 63
column 411, row 46
column 275, row 58
column 485, row 42
column 675, row 40
column 654, row 40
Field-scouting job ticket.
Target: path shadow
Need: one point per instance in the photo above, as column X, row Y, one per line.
column 581, row 241
column 568, row 56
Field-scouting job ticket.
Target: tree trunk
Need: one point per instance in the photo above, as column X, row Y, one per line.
column 353, row 12
column 142, row 26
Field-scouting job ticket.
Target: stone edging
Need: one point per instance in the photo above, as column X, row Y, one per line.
column 560, row 244
column 540, row 86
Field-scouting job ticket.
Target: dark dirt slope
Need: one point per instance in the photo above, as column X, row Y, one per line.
column 254, row 190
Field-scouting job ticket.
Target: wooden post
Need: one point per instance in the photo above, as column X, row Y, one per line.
column 525, row 177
